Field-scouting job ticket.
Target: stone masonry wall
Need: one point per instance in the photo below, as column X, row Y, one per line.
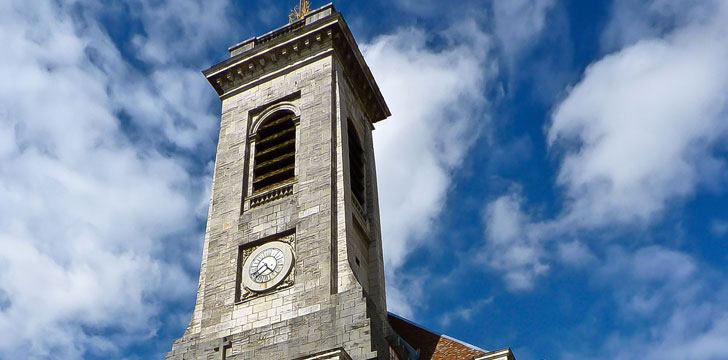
column 342, row 325
column 370, row 250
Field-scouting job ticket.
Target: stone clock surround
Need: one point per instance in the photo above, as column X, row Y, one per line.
column 289, row 278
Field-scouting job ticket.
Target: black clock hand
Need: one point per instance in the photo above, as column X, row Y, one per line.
column 266, row 266
column 260, row 269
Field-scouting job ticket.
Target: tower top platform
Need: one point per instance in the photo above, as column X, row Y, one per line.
column 322, row 30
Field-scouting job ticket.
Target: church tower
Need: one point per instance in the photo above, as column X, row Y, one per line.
column 292, row 263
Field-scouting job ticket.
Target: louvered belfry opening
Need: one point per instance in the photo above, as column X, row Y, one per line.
column 357, row 167
column 275, row 152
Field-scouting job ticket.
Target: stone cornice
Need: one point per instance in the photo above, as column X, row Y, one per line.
column 502, row 354
column 292, row 46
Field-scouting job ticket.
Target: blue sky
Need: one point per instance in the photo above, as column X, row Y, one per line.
column 553, row 176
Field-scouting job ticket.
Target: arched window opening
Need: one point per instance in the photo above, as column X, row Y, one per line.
column 357, row 167
column 275, row 152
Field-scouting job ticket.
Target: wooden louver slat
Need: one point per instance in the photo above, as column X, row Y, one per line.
column 275, row 138
column 272, row 123
column 275, row 152
column 288, row 156
column 271, row 150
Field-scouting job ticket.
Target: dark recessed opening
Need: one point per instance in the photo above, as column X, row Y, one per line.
column 357, row 167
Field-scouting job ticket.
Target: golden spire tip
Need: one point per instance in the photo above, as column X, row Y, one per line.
column 299, row 11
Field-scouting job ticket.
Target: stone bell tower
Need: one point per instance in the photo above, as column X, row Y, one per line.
column 292, row 262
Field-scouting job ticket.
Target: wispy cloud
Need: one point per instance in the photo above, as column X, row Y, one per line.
column 518, row 24
column 635, row 135
column 634, row 20
column 96, row 221
column 438, row 110
column 180, row 31
column 719, row 227
column 514, row 244
column 636, row 138
column 669, row 290
column 465, row 313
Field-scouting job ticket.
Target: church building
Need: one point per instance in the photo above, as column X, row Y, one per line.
column 292, row 264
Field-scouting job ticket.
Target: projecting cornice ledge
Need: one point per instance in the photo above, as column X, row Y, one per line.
column 336, row 354
column 502, row 354
column 322, row 33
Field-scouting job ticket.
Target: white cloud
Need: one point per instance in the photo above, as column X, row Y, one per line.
column 645, row 120
column 575, row 253
column 519, row 23
column 650, row 279
column 637, row 135
column 438, row 109
column 419, row 7
column 437, row 103
column 633, row 20
column 679, row 338
column 170, row 105
column 514, row 246
column 405, row 295
column 680, row 306
column 465, row 313
column 88, row 217
column 534, row 44
column 181, row 30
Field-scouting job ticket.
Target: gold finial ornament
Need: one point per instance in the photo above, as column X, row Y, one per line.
column 299, row 11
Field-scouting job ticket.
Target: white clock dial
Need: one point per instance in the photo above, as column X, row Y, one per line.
column 267, row 266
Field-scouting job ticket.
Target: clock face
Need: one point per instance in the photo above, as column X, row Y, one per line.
column 267, row 266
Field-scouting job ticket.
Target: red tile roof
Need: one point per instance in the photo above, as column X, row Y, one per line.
column 433, row 346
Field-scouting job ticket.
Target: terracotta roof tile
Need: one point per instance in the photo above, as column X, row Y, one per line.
column 432, row 346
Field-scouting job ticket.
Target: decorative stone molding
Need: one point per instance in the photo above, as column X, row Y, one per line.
column 271, row 195
column 359, row 213
column 337, row 354
column 502, row 354
column 251, row 65
column 284, row 106
column 320, row 34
